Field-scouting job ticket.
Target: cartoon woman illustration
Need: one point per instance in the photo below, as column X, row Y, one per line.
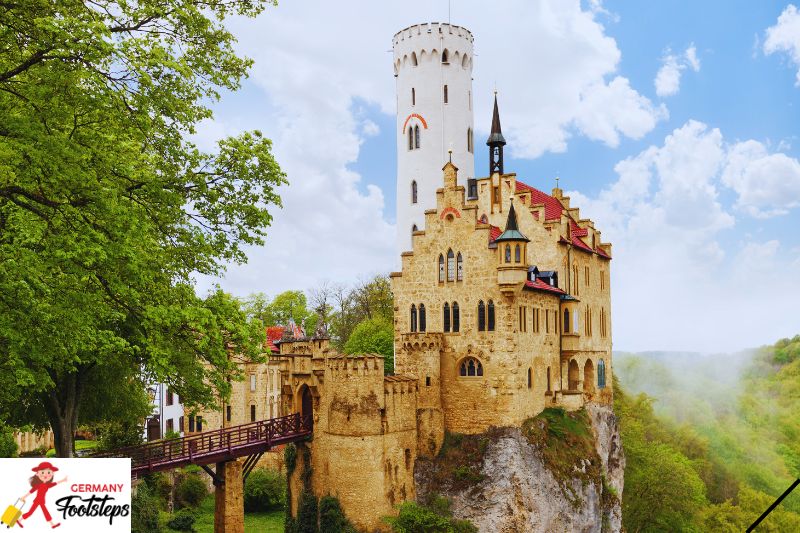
column 41, row 482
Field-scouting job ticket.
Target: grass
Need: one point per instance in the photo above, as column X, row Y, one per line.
column 80, row 445
column 271, row 522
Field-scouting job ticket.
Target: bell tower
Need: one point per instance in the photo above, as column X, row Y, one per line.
column 433, row 73
column 496, row 142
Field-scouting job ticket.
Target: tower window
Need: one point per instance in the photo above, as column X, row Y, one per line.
column 451, row 266
column 228, row 413
column 508, row 253
column 445, row 56
column 414, row 228
column 481, row 316
column 566, row 321
column 422, row 317
column 410, row 138
column 413, row 59
column 490, row 321
column 445, row 94
column 517, row 254
column 530, row 376
column 469, row 140
column 414, row 192
column 441, row 268
column 416, row 136
column 548, row 379
column 456, row 318
column 601, row 374
column 470, row 367
column 252, row 413
column 413, row 317
column 459, row 267
column 446, row 317
column 413, row 96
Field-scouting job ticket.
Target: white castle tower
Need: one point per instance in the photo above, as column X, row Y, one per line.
column 433, row 69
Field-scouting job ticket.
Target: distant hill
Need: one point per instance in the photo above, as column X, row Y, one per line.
column 734, row 417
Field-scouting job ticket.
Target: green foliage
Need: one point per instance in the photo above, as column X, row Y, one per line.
column 367, row 300
column 145, row 511
column 264, row 490
column 332, row 518
column 285, row 306
column 373, row 335
column 8, row 446
column 459, row 462
column 183, row 520
column 290, row 458
column 433, row 517
column 108, row 212
column 190, row 490
column 116, row 435
column 308, row 513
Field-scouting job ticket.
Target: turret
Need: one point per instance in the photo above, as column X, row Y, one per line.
column 496, row 142
column 433, row 71
column 512, row 263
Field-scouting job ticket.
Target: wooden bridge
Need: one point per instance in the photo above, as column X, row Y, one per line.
column 210, row 447
column 221, row 448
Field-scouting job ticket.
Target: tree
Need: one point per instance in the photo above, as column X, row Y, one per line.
column 373, row 335
column 107, row 211
column 366, row 300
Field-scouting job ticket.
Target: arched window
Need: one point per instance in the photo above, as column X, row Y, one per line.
column 529, row 377
column 413, row 59
column 459, row 267
column 410, row 138
column 601, row 374
column 414, row 228
column 441, row 268
column 465, row 61
column 481, row 316
column 566, row 321
column 490, row 322
column 445, row 56
column 508, row 253
column 517, row 254
column 413, row 96
column 444, row 93
column 470, row 367
column 422, row 317
column 456, row 318
column 446, row 317
column 413, row 317
column 414, row 192
column 416, row 136
column 451, row 266
column 548, row 379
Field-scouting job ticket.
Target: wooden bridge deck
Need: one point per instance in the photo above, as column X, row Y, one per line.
column 215, row 446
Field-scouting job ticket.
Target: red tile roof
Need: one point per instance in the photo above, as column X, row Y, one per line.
column 540, row 285
column 552, row 207
column 274, row 333
column 494, row 233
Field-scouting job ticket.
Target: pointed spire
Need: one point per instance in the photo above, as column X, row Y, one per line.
column 511, row 232
column 496, row 136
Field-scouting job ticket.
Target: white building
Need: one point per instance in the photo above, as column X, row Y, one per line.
column 167, row 414
column 433, row 70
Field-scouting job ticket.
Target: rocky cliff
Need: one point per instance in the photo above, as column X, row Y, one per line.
column 559, row 472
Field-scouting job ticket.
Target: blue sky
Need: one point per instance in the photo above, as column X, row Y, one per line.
column 696, row 181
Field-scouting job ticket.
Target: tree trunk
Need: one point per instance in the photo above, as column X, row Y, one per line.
column 62, row 404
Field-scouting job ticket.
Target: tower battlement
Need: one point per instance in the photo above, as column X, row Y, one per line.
column 434, row 28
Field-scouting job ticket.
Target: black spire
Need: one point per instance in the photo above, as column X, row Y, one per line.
column 496, row 142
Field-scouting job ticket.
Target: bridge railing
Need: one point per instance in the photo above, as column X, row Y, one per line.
column 229, row 442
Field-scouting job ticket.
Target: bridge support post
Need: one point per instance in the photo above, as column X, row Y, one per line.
column 229, row 498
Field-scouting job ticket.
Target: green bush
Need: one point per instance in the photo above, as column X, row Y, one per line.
column 115, row 435
column 331, row 517
column 307, row 513
column 264, row 490
column 8, row 446
column 190, row 491
column 144, row 511
column 183, row 520
column 432, row 518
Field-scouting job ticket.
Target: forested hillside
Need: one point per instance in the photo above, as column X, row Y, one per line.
column 710, row 440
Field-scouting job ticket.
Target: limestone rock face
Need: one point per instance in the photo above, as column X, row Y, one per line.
column 518, row 493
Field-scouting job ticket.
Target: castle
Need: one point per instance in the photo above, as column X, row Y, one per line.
column 502, row 306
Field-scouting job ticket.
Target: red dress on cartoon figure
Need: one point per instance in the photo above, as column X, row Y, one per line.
column 41, row 482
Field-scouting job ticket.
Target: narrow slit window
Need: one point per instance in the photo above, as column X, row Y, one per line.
column 456, row 318
column 446, row 317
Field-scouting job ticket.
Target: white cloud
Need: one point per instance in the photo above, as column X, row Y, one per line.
column 784, row 36
column 675, row 285
column 668, row 78
column 555, row 67
column 766, row 184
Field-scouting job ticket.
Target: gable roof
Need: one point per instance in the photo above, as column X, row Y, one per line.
column 539, row 285
column 552, row 207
